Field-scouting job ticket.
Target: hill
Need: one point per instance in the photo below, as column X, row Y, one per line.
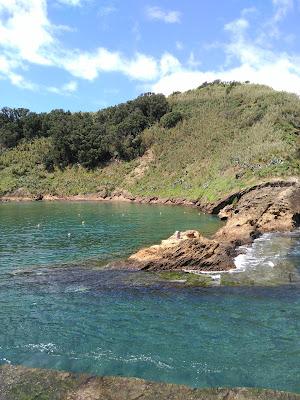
column 213, row 140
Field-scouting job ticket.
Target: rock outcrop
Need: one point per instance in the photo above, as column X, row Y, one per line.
column 19, row 383
column 268, row 207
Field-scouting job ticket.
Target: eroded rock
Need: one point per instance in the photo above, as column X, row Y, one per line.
column 20, row 383
column 268, row 207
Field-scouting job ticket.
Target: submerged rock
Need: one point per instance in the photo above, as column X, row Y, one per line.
column 20, row 383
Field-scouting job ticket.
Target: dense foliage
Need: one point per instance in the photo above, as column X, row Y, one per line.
column 85, row 138
column 232, row 135
column 171, row 119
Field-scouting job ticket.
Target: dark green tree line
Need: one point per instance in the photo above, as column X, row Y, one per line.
column 85, row 138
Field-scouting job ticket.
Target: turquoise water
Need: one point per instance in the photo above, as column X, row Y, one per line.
column 35, row 234
column 58, row 311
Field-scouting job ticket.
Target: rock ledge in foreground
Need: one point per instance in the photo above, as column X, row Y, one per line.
column 20, row 383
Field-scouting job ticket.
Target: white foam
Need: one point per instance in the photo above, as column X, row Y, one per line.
column 75, row 289
column 5, row 360
column 109, row 355
column 42, row 347
column 266, row 251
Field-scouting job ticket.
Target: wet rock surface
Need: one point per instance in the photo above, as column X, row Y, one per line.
column 20, row 383
column 268, row 207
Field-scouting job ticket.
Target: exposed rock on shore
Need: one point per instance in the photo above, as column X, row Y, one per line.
column 266, row 207
column 19, row 383
column 269, row 207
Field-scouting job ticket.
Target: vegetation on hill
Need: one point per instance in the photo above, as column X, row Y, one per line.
column 200, row 144
column 85, row 138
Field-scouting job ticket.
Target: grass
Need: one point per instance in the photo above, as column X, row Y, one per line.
column 227, row 140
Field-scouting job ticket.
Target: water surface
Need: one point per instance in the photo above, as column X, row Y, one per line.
column 58, row 232
column 58, row 311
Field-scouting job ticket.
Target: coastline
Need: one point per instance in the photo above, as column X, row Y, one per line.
column 18, row 383
column 263, row 208
column 124, row 196
column 121, row 197
column 271, row 206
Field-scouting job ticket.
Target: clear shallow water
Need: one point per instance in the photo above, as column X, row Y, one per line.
column 52, row 233
column 132, row 324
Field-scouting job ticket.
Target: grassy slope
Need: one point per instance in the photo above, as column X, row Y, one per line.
column 225, row 142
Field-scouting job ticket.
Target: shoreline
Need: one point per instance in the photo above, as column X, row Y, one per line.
column 124, row 198
column 18, row 382
column 269, row 207
column 265, row 207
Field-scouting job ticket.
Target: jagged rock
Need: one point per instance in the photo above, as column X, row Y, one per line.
column 38, row 197
column 20, row 383
column 268, row 207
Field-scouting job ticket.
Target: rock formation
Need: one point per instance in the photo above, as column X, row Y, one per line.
column 268, row 207
column 20, row 383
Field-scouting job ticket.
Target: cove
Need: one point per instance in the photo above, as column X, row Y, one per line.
column 58, row 311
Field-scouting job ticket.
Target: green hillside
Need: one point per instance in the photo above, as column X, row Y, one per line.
column 226, row 136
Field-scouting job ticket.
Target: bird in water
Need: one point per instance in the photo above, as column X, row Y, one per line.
column 82, row 222
column 69, row 234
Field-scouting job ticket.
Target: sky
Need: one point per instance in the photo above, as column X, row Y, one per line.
column 89, row 54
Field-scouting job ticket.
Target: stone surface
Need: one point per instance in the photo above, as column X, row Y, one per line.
column 20, row 383
column 268, row 207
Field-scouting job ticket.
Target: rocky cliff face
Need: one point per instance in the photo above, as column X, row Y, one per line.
column 268, row 207
column 19, row 383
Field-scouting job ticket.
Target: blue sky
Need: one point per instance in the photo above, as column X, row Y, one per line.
column 89, row 54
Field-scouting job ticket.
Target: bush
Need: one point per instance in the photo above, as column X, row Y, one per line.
column 171, row 119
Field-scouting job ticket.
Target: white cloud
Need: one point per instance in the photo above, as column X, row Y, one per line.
column 169, row 64
column 73, row 3
column 28, row 37
column 142, row 67
column 7, row 67
column 179, row 45
column 282, row 7
column 252, row 62
column 280, row 10
column 90, row 65
column 237, row 27
column 157, row 13
column 192, row 61
column 65, row 89
column 280, row 76
column 25, row 29
column 106, row 10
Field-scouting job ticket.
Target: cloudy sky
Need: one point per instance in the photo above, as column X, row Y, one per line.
column 89, row 54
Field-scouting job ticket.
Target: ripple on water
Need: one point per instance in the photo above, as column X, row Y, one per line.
column 273, row 257
column 116, row 323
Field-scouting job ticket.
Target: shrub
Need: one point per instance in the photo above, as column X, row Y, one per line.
column 171, row 119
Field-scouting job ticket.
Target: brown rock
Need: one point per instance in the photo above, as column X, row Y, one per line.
column 20, row 383
column 268, row 207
